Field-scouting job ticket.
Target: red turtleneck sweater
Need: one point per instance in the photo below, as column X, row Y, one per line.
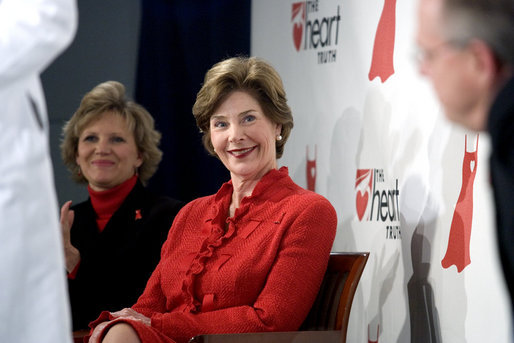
column 105, row 203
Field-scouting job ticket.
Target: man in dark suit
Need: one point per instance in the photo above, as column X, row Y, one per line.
column 467, row 51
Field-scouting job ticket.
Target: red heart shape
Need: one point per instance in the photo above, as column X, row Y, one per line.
column 297, row 35
column 361, row 203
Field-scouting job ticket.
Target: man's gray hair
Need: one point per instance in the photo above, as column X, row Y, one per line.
column 491, row 21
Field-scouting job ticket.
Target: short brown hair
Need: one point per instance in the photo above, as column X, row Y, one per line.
column 109, row 97
column 253, row 76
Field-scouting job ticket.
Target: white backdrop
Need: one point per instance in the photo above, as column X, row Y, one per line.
column 407, row 186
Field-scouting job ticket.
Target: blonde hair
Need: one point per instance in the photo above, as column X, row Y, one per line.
column 109, row 97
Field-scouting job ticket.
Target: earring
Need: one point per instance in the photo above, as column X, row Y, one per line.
column 279, row 137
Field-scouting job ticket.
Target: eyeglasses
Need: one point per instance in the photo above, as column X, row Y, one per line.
column 424, row 55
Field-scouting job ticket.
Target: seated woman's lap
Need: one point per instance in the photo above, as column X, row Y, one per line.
column 129, row 331
column 121, row 332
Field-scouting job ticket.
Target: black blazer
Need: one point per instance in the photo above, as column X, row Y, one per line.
column 501, row 129
column 116, row 263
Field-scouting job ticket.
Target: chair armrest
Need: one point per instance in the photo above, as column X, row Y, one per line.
column 78, row 336
column 331, row 336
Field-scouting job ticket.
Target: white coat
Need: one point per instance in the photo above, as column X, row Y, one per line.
column 33, row 296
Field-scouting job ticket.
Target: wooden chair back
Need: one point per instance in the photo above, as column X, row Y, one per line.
column 331, row 309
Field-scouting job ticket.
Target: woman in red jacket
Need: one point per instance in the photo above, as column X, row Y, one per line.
column 252, row 256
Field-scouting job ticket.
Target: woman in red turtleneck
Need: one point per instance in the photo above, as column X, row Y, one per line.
column 112, row 241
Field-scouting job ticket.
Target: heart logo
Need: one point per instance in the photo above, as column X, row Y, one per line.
column 363, row 185
column 361, row 202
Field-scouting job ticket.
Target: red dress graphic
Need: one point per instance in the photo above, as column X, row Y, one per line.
column 457, row 252
column 383, row 49
column 378, row 329
column 311, row 171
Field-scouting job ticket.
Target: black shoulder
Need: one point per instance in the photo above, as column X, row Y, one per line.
column 82, row 206
column 165, row 203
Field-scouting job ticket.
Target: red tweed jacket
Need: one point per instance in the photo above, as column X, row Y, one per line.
column 257, row 271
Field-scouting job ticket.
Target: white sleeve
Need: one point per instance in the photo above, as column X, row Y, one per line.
column 32, row 34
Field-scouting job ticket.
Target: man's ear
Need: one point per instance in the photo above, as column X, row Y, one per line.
column 485, row 63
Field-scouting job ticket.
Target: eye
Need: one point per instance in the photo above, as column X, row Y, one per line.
column 248, row 118
column 117, row 139
column 219, row 124
column 90, row 138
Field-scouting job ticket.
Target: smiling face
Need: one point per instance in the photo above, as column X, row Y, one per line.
column 243, row 137
column 107, row 153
